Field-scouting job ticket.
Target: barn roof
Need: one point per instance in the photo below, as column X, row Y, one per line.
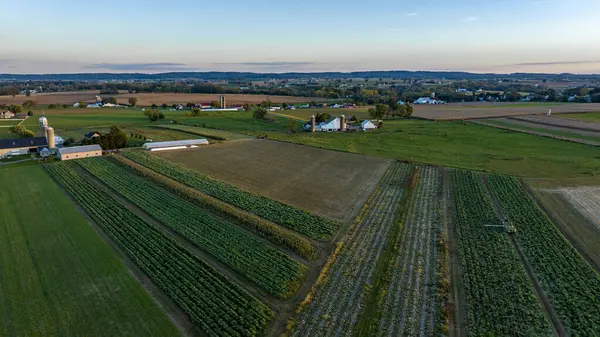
column 18, row 143
column 79, row 149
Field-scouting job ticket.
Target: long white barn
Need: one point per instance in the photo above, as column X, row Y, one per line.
column 174, row 145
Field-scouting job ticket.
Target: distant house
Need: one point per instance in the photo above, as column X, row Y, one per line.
column 336, row 106
column 427, row 100
column 367, row 125
column 180, row 107
column 110, row 105
column 76, row 105
column 7, row 115
column 94, row 106
column 401, row 102
column 92, row 135
column 332, row 124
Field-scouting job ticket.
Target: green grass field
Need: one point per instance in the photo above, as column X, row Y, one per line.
column 586, row 117
column 197, row 131
column 463, row 145
column 57, row 276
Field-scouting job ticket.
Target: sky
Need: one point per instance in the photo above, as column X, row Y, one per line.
column 150, row 36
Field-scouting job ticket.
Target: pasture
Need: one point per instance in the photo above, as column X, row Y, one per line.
column 147, row 99
column 327, row 183
column 464, row 145
column 58, row 277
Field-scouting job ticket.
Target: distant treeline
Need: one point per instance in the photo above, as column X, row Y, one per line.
column 397, row 74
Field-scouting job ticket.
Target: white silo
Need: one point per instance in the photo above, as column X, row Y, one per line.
column 50, row 137
column 43, row 125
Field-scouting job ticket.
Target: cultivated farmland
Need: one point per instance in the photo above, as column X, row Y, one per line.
column 268, row 268
column 291, row 174
column 219, row 306
column 341, row 293
column 53, row 265
column 147, row 99
column 488, row 110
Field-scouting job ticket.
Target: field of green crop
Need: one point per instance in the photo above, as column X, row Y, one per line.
column 57, row 276
column 284, row 215
column 204, row 132
column 211, row 301
column 500, row 298
column 267, row 267
column 573, row 287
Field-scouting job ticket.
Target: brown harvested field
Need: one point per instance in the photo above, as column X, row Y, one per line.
column 147, row 99
column 327, row 183
column 561, row 122
column 576, row 212
column 475, row 110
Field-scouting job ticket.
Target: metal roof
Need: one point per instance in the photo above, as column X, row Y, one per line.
column 174, row 143
column 79, row 149
column 18, row 143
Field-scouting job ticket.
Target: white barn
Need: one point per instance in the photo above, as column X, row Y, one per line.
column 367, row 125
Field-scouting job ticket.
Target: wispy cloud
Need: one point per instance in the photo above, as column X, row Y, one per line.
column 471, row 19
column 161, row 66
column 555, row 63
column 274, row 64
column 412, row 14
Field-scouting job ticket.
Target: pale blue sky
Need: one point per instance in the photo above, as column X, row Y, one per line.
column 49, row 36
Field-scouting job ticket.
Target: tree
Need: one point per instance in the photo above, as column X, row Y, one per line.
column 154, row 106
column 292, row 125
column 409, row 109
column 259, row 112
column 29, row 104
column 164, row 106
column 266, row 104
column 28, row 93
column 214, row 104
column 312, row 104
column 15, row 108
column 133, row 101
column 196, row 112
column 82, row 104
column 174, row 106
column 379, row 111
column 284, row 106
column 115, row 139
column 29, row 113
column 247, row 107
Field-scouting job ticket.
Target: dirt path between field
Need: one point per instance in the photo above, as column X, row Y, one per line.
column 177, row 316
column 458, row 299
column 557, row 327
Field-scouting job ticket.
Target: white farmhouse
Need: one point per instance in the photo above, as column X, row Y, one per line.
column 333, row 124
column 367, row 125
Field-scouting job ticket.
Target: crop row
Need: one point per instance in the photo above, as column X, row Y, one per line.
column 500, row 298
column 410, row 303
column 337, row 304
column 267, row 267
column 572, row 286
column 282, row 214
column 266, row 229
column 211, row 301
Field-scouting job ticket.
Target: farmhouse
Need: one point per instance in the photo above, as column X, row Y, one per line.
column 367, row 125
column 7, row 115
column 18, row 146
column 78, row 152
column 91, row 135
column 174, row 145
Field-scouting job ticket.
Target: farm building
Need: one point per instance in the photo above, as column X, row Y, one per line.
column 91, row 135
column 7, row 115
column 332, row 124
column 79, row 152
column 367, row 125
column 174, row 145
column 18, row 146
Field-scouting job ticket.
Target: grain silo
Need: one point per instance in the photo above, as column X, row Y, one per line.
column 343, row 123
column 43, row 126
column 222, row 102
column 313, row 124
column 50, row 137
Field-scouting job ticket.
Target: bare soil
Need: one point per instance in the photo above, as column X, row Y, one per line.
column 147, row 99
column 459, row 111
column 563, row 122
column 327, row 183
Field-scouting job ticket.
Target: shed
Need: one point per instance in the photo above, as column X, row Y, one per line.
column 367, row 125
column 174, row 145
column 79, row 152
